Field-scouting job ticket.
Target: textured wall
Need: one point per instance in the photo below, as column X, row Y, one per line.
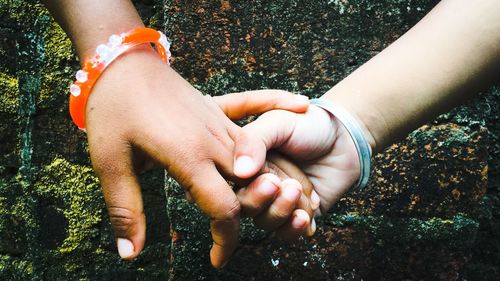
column 431, row 210
column 53, row 223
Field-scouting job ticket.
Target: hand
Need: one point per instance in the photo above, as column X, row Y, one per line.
column 279, row 199
column 140, row 113
column 286, row 208
column 315, row 141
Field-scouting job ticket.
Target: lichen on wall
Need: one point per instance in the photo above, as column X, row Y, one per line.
column 430, row 212
column 53, row 222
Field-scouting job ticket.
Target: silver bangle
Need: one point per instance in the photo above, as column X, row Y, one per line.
column 351, row 124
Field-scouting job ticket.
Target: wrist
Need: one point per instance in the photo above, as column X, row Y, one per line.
column 358, row 137
column 106, row 53
column 89, row 23
column 369, row 118
column 87, row 41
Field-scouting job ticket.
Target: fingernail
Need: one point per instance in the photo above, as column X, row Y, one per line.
column 299, row 220
column 315, row 201
column 312, row 229
column 243, row 165
column 189, row 197
column 301, row 98
column 125, row 248
column 267, row 187
column 291, row 193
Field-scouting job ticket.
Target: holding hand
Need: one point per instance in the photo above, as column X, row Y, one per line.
column 316, row 142
column 141, row 116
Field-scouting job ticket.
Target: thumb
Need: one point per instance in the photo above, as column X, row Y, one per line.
column 122, row 194
column 240, row 105
column 126, row 213
column 270, row 130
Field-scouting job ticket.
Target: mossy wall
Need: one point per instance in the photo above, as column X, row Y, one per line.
column 431, row 211
column 53, row 222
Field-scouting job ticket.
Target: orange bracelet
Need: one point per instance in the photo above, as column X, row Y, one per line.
column 105, row 54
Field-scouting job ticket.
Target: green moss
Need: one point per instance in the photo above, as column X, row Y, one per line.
column 458, row 231
column 70, row 211
column 9, row 99
column 78, row 190
column 15, row 268
column 59, row 68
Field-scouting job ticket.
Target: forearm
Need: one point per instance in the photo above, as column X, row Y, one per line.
column 90, row 23
column 451, row 54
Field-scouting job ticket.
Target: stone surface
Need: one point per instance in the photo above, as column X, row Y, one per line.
column 53, row 223
column 431, row 211
column 419, row 217
column 426, row 176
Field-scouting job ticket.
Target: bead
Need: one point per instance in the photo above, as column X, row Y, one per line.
column 164, row 41
column 114, row 41
column 81, row 76
column 104, row 52
column 75, row 90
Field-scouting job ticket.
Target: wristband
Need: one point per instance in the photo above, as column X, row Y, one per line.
column 352, row 126
column 105, row 55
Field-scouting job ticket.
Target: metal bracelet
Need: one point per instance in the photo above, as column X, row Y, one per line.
column 352, row 126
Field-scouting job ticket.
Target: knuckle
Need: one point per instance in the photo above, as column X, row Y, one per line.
column 249, row 209
column 278, row 98
column 272, row 220
column 123, row 220
column 278, row 213
column 245, row 101
column 230, row 212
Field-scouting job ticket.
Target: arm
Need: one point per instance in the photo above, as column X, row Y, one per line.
column 140, row 112
column 90, row 23
column 450, row 55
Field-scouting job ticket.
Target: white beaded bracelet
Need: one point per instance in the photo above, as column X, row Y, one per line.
column 94, row 66
column 351, row 124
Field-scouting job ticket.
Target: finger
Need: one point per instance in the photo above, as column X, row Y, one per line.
column 282, row 207
column 215, row 198
column 122, row 193
column 258, row 195
column 241, row 105
column 301, row 223
column 295, row 227
column 309, row 200
column 251, row 145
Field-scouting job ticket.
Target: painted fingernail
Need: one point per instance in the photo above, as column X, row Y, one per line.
column 243, row 165
column 125, row 248
column 267, row 187
column 315, row 201
column 301, row 98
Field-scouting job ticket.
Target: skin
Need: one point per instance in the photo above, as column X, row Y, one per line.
column 127, row 134
column 450, row 55
column 141, row 113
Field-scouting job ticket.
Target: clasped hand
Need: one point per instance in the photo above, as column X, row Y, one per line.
column 293, row 161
